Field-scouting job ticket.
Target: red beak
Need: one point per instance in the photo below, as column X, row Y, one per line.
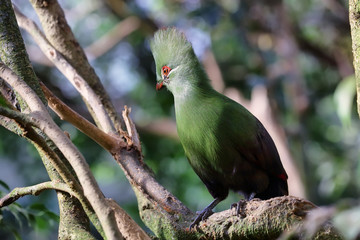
column 159, row 86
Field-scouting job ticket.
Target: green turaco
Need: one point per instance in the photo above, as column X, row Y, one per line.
column 225, row 144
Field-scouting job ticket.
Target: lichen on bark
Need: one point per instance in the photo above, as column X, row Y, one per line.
column 13, row 52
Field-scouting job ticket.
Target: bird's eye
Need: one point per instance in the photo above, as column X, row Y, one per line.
column 165, row 70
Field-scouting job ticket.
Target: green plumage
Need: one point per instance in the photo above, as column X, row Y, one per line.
column 225, row 144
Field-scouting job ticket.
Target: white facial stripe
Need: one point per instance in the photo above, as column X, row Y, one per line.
column 172, row 70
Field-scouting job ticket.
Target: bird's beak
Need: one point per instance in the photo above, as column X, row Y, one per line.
column 159, row 85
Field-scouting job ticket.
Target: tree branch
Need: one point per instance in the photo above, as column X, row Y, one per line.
column 67, row 69
column 264, row 220
column 109, row 142
column 133, row 136
column 45, row 123
column 34, row 190
column 60, row 36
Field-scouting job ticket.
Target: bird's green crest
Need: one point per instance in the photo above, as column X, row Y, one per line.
column 171, row 48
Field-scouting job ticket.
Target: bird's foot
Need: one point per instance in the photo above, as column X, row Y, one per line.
column 239, row 208
column 204, row 214
column 201, row 216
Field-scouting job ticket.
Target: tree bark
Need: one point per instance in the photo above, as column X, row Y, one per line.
column 13, row 52
column 354, row 16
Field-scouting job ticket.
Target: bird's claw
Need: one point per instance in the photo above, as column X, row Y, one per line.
column 239, row 208
column 201, row 216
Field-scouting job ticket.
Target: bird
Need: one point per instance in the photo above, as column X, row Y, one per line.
column 225, row 144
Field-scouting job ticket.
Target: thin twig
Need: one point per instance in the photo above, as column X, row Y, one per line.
column 107, row 141
column 67, row 69
column 133, row 136
column 34, row 190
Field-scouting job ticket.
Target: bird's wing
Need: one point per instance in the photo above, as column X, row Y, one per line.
column 253, row 142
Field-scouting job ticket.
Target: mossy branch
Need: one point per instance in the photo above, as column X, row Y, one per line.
column 34, row 190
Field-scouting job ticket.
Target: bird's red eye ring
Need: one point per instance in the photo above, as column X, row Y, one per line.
column 165, row 70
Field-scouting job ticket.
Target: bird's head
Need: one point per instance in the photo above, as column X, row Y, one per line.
column 175, row 59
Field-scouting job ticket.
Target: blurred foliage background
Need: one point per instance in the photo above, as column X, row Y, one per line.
column 299, row 50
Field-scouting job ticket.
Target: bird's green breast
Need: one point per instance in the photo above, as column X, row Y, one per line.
column 210, row 127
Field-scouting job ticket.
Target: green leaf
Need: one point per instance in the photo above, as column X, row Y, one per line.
column 344, row 99
column 38, row 207
column 53, row 216
column 32, row 219
column 4, row 185
column 2, row 101
column 16, row 234
column 40, row 210
column 41, row 223
column 17, row 216
column 19, row 212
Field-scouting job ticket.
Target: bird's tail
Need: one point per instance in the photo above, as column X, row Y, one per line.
column 277, row 187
